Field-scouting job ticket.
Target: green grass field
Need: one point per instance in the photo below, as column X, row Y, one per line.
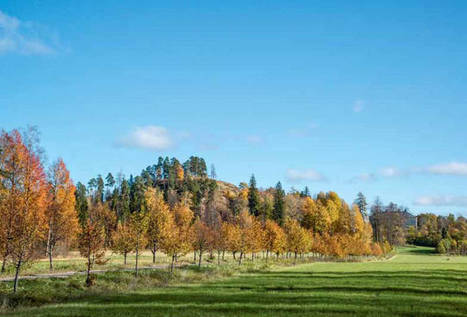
column 415, row 282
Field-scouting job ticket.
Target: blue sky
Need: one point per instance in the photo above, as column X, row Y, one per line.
column 347, row 96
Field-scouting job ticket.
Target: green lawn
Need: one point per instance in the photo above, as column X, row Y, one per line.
column 415, row 282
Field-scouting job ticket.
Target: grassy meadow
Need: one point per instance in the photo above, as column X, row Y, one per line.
column 415, row 282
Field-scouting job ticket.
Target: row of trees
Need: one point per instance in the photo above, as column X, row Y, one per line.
column 36, row 208
column 447, row 234
column 170, row 207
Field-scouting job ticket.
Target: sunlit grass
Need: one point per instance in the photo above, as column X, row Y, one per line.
column 416, row 282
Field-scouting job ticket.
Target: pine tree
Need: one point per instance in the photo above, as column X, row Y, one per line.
column 137, row 195
column 213, row 172
column 278, row 212
column 81, row 203
column 305, row 192
column 124, row 201
column 100, row 189
column 109, row 180
column 253, row 197
column 362, row 204
column 159, row 167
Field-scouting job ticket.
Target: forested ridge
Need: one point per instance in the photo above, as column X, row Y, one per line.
column 176, row 208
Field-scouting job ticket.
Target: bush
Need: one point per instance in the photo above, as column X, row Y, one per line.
column 444, row 246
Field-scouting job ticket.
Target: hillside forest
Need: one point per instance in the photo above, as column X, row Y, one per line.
column 179, row 207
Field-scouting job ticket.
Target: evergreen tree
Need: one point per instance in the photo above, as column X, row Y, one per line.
column 166, row 168
column 147, row 179
column 109, row 180
column 137, row 190
column 213, row 172
column 362, row 204
column 100, row 188
column 253, row 197
column 159, row 165
column 109, row 184
column 124, row 201
column 81, row 203
column 278, row 212
column 305, row 192
column 203, row 170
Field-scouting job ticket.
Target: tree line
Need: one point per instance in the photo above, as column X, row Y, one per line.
column 171, row 207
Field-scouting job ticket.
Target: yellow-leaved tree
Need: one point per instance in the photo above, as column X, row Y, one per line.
column 24, row 198
column 158, row 219
column 177, row 241
column 298, row 238
column 202, row 237
column 274, row 238
column 61, row 217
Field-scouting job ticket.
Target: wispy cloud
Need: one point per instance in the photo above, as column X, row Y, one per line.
column 364, row 177
column 25, row 38
column 440, row 200
column 148, row 137
column 452, row 168
column 358, row 106
column 391, row 172
column 297, row 175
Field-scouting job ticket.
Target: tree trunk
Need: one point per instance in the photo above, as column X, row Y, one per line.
column 88, row 272
column 136, row 262
column 295, row 259
column 240, row 259
column 154, row 249
column 4, row 262
column 124, row 258
column 267, row 256
column 18, row 267
column 223, row 253
column 200, row 257
column 233, row 254
column 218, row 257
column 51, row 266
column 172, row 264
column 49, row 246
column 194, row 256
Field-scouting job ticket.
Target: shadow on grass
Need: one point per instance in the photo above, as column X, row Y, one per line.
column 198, row 303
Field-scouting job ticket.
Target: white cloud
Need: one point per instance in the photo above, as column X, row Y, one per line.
column 148, row 137
column 21, row 37
column 297, row 176
column 358, row 106
column 454, row 201
column 453, row 168
column 390, row 172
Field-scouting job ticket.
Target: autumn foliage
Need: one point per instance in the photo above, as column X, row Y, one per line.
column 173, row 208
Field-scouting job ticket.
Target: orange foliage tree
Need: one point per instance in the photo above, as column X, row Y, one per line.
column 202, row 237
column 138, row 225
column 61, row 217
column 158, row 219
column 25, row 199
column 298, row 238
column 177, row 241
column 274, row 238
column 122, row 241
column 92, row 239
